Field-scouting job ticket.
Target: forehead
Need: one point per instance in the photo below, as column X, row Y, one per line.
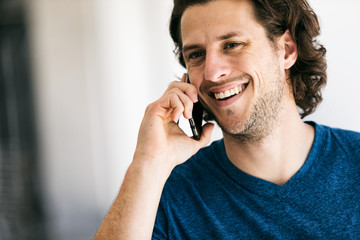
column 216, row 18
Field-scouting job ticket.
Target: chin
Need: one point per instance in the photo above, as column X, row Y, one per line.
column 253, row 126
column 250, row 131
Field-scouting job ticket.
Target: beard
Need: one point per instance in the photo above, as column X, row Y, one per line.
column 262, row 118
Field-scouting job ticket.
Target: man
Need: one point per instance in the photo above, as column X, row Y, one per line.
column 253, row 64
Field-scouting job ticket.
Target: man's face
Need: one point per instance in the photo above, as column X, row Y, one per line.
column 234, row 66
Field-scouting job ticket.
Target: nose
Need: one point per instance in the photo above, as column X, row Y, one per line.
column 216, row 66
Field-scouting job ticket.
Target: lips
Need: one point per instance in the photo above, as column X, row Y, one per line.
column 225, row 96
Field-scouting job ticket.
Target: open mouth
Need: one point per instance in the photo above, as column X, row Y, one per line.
column 229, row 93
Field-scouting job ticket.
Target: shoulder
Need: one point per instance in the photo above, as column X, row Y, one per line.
column 344, row 137
column 340, row 140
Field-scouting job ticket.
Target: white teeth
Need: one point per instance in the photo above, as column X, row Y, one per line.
column 236, row 90
column 229, row 93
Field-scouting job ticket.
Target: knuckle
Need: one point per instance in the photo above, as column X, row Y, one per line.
column 179, row 107
column 191, row 87
column 173, row 91
column 150, row 107
column 173, row 84
column 173, row 97
column 188, row 103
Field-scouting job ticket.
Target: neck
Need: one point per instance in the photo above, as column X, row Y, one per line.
column 277, row 157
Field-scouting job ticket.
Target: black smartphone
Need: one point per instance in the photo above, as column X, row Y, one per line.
column 197, row 117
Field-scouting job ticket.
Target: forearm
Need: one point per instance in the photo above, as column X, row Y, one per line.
column 133, row 213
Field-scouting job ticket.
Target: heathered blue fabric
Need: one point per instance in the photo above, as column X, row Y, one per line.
column 207, row 197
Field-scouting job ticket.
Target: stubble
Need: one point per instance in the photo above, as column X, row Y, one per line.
column 262, row 118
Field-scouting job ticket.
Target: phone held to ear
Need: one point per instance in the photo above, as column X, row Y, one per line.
column 197, row 117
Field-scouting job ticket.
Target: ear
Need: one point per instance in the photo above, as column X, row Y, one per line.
column 290, row 48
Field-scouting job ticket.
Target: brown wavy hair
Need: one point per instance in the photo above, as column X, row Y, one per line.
column 308, row 74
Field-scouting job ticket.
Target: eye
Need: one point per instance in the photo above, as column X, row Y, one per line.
column 196, row 55
column 231, row 45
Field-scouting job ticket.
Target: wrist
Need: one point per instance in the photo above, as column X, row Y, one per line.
column 158, row 168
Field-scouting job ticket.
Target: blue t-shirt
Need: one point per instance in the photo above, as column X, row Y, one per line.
column 207, row 197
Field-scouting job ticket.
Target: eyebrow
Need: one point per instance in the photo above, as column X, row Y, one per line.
column 229, row 35
column 190, row 47
column 218, row 38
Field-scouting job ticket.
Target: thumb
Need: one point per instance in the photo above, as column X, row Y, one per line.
column 206, row 134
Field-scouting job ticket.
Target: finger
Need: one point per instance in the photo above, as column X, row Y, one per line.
column 186, row 101
column 175, row 102
column 177, row 107
column 183, row 78
column 206, row 134
column 186, row 88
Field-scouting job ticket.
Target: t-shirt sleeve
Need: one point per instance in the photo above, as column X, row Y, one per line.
column 160, row 227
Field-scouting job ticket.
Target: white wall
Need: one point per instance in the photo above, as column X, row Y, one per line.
column 65, row 114
column 340, row 34
column 97, row 64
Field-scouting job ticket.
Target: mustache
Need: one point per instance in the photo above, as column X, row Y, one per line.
column 210, row 85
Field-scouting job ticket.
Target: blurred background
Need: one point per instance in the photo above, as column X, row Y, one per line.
column 75, row 79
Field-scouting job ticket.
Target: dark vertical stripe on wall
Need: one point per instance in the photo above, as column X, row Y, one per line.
column 21, row 215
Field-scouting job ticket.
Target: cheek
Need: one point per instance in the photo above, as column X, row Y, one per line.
column 245, row 62
column 246, row 65
column 257, row 69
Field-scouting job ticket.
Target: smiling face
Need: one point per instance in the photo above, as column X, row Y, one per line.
column 238, row 71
